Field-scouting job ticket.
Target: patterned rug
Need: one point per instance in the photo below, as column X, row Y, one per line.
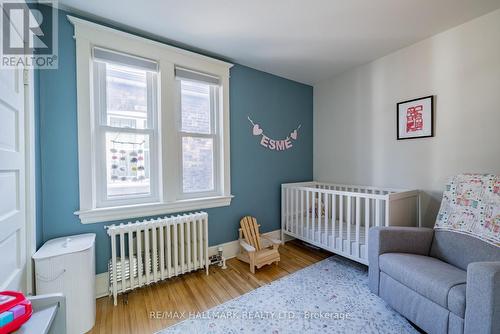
column 331, row 296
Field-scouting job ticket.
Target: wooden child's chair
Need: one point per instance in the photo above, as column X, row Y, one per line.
column 252, row 251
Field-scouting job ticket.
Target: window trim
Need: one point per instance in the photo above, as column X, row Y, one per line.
column 109, row 214
column 88, row 35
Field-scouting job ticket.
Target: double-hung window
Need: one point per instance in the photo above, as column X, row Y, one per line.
column 153, row 127
column 126, row 128
column 198, row 132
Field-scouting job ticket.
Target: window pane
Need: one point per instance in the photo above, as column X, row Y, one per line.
column 126, row 97
column 195, row 105
column 127, row 164
column 197, row 164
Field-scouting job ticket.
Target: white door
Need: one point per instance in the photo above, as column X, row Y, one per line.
column 12, row 181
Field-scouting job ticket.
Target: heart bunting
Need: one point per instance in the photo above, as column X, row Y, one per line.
column 274, row 144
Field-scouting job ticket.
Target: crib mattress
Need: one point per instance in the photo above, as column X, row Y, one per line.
column 329, row 237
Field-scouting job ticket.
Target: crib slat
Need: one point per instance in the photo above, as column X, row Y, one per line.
column 317, row 215
column 289, row 210
column 377, row 212
column 308, row 207
column 297, row 211
column 349, row 223
column 301, row 213
column 367, row 224
column 327, row 215
column 313, row 215
column 294, row 211
column 292, row 221
column 283, row 209
column 341, row 221
column 358, row 223
column 321, row 219
column 386, row 213
column 287, row 221
column 334, row 218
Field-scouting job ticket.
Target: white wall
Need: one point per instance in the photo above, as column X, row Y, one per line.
column 355, row 114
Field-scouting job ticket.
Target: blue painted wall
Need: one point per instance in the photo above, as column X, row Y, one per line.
column 279, row 105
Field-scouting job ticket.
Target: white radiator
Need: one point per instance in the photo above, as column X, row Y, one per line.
column 152, row 250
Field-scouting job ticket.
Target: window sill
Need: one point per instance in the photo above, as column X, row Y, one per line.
column 100, row 215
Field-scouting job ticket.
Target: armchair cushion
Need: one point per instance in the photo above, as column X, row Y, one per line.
column 382, row 240
column 427, row 276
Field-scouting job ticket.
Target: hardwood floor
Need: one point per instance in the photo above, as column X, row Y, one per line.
column 195, row 292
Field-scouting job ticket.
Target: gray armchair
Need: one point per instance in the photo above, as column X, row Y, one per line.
column 444, row 282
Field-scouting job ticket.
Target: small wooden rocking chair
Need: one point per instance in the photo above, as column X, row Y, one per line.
column 252, row 251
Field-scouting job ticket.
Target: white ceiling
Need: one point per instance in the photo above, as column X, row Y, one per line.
column 303, row 40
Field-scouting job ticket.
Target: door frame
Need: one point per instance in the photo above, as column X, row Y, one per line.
column 28, row 80
column 30, row 175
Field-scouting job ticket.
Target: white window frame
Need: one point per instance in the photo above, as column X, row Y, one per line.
column 101, row 128
column 214, row 135
column 169, row 197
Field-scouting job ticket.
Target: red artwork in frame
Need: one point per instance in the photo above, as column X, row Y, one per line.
column 415, row 118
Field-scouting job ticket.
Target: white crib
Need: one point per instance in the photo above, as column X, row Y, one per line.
column 337, row 217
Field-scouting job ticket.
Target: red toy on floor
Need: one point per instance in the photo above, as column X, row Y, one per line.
column 15, row 310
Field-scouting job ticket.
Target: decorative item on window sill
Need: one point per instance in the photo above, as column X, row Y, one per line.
column 218, row 259
column 127, row 161
column 275, row 144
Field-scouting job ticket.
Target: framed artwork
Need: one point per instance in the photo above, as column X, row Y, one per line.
column 415, row 118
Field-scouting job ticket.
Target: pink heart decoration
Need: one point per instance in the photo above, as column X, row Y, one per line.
column 294, row 135
column 257, row 131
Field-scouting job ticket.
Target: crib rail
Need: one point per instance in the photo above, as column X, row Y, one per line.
column 337, row 217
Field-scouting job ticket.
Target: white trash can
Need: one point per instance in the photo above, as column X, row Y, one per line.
column 67, row 265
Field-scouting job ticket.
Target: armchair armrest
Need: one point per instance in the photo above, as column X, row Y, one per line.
column 246, row 246
column 482, row 314
column 393, row 239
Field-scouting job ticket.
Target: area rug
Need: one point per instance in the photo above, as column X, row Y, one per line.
column 331, row 296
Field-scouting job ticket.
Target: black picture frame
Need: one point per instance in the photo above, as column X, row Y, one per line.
column 398, row 136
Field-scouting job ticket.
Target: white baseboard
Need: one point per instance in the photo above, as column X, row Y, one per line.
column 101, row 285
column 230, row 250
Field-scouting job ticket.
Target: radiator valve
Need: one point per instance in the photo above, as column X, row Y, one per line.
column 218, row 259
